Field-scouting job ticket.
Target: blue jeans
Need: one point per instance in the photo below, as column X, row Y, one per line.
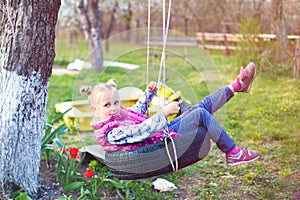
column 201, row 115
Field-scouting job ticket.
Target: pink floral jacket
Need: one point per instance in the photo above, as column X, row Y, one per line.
column 130, row 129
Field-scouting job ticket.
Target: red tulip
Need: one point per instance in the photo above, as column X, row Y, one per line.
column 74, row 152
column 89, row 173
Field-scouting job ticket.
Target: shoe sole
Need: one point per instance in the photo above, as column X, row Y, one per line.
column 250, row 85
column 242, row 162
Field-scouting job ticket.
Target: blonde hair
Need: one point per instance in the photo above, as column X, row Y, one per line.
column 95, row 92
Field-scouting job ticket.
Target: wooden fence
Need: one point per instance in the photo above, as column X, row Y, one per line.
column 222, row 41
column 228, row 41
column 184, row 42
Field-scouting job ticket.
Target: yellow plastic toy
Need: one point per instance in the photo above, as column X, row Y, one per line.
column 164, row 96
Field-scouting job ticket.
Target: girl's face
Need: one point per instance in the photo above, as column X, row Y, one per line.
column 108, row 104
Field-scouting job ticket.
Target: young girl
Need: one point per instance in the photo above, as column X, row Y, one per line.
column 118, row 128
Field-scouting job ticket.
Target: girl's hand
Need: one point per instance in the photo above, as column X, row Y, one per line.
column 153, row 87
column 171, row 109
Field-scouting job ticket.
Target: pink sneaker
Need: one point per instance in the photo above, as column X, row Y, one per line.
column 243, row 83
column 242, row 157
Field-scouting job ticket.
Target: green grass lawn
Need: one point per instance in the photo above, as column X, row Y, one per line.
column 266, row 119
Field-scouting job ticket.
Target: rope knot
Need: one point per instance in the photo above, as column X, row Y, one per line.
column 167, row 135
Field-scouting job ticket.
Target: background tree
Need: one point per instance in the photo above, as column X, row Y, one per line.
column 280, row 30
column 107, row 28
column 68, row 24
column 26, row 60
column 194, row 15
column 187, row 17
column 90, row 18
column 128, row 13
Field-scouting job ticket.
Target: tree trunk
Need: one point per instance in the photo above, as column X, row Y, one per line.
column 297, row 59
column 111, row 24
column 26, row 58
column 186, row 18
column 128, row 18
column 280, row 31
column 90, row 18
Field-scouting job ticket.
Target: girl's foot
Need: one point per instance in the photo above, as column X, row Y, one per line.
column 244, row 81
column 242, row 156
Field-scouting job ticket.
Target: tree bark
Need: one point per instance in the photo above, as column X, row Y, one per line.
column 26, row 58
column 90, row 18
column 111, row 24
column 128, row 17
column 280, row 31
column 296, row 70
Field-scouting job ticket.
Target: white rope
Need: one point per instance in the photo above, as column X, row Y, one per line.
column 148, row 53
column 148, row 41
column 162, row 69
column 165, row 35
column 167, row 134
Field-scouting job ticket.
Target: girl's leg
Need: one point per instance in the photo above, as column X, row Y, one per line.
column 200, row 117
column 217, row 99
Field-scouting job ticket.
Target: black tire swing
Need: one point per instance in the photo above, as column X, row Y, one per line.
column 153, row 160
column 159, row 158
